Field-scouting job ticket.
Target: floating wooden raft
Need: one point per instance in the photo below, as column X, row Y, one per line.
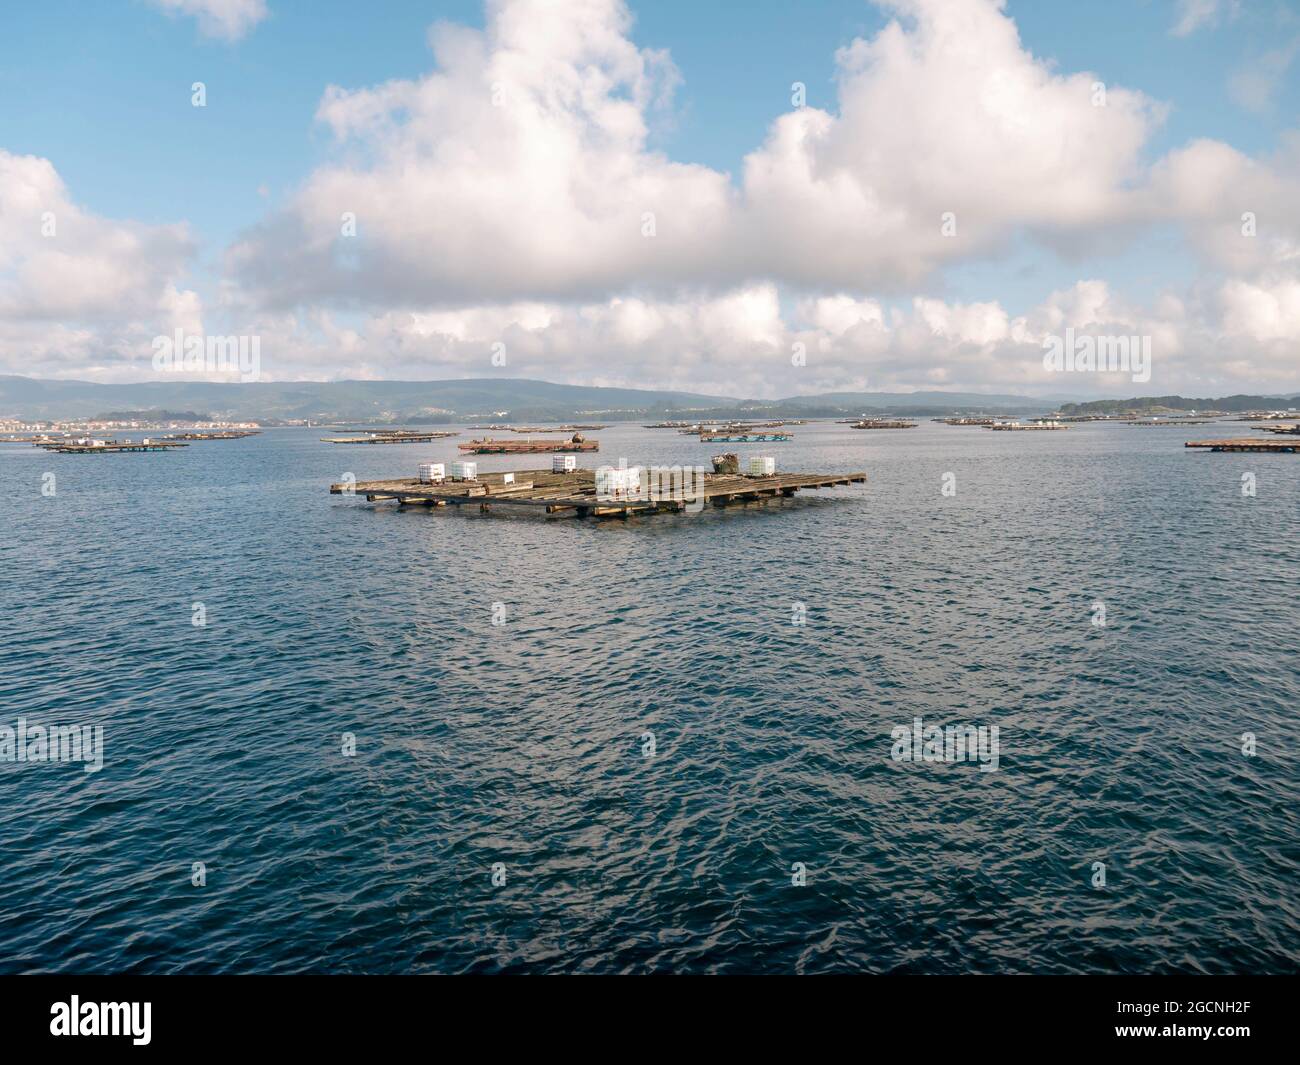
column 389, row 438
column 574, row 493
column 526, row 447
column 880, row 423
column 1252, row 443
column 529, row 429
column 223, row 435
column 744, row 438
column 91, row 449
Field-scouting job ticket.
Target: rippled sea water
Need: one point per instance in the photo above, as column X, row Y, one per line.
column 522, row 743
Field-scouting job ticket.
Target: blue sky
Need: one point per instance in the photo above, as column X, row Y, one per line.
column 102, row 91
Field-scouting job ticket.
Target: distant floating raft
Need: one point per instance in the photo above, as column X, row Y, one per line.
column 529, row 429
column 744, row 438
column 574, row 493
column 1247, row 444
column 223, row 435
column 99, row 449
column 526, row 447
column 1154, row 423
column 389, row 438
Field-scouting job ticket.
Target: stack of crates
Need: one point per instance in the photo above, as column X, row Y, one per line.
column 432, row 473
column 564, row 463
column 464, row 471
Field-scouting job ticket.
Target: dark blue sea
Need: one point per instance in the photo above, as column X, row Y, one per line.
column 501, row 813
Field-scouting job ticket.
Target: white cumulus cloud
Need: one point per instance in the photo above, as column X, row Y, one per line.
column 519, row 168
column 226, row 19
column 78, row 291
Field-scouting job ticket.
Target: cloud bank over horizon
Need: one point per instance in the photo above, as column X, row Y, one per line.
column 510, row 200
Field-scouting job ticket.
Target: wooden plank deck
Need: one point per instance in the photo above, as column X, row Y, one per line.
column 574, row 493
column 1251, row 443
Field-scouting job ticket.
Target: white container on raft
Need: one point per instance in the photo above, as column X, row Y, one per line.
column 762, row 465
column 618, row 483
column 432, row 473
column 464, row 471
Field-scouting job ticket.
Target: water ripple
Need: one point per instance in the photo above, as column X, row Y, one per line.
column 522, row 743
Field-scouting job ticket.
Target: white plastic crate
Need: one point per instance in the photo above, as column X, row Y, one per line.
column 617, row 483
column 564, row 463
column 464, row 471
column 761, row 465
column 507, row 478
column 432, row 472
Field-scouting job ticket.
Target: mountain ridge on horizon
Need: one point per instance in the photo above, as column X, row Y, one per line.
column 446, row 399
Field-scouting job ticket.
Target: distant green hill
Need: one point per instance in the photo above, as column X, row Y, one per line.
column 427, row 401
column 151, row 416
column 515, row 399
column 865, row 400
column 1178, row 403
column 432, row 402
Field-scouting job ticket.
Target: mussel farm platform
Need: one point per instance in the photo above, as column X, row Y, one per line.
column 1253, row 443
column 526, row 447
column 741, row 437
column 574, row 493
column 116, row 448
column 400, row 437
